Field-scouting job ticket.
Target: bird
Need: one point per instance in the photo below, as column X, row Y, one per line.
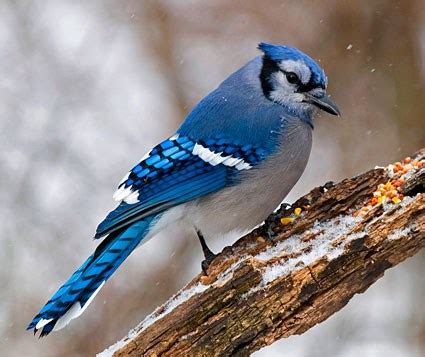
column 234, row 158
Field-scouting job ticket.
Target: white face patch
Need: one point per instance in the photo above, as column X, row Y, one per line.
column 283, row 91
column 298, row 67
column 317, row 92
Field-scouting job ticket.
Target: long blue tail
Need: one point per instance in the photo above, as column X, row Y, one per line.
column 73, row 297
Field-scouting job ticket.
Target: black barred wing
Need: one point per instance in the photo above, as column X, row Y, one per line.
column 176, row 171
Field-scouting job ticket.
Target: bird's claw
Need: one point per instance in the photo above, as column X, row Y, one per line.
column 209, row 257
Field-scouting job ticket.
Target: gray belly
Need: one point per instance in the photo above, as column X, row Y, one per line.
column 262, row 188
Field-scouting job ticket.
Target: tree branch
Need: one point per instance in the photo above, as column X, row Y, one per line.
column 260, row 290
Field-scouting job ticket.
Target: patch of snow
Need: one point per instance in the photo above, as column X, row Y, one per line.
column 400, row 233
column 410, row 173
column 228, row 273
column 406, row 200
column 170, row 305
column 113, row 348
column 319, row 247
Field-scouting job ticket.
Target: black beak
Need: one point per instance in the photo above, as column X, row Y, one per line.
column 323, row 102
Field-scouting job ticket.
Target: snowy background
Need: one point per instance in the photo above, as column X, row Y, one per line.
column 87, row 87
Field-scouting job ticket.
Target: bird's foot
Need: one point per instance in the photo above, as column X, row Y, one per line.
column 209, row 257
column 270, row 234
column 208, row 254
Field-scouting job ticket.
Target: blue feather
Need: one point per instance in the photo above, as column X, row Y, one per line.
column 235, row 128
column 227, row 108
column 168, row 192
column 183, row 177
column 79, row 288
column 280, row 53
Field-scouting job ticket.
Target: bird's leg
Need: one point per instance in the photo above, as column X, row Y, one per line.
column 270, row 233
column 208, row 254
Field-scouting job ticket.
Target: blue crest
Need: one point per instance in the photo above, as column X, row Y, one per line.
column 280, row 53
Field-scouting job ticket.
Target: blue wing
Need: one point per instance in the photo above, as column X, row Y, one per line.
column 176, row 171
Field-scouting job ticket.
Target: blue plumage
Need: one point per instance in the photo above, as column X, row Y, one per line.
column 280, row 53
column 71, row 298
column 183, row 177
column 226, row 107
column 234, row 158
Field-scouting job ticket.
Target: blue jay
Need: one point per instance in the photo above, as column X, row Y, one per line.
column 232, row 161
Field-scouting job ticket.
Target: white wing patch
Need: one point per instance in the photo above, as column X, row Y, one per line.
column 122, row 193
column 129, row 196
column 243, row 166
column 126, row 194
column 132, row 198
column 216, row 158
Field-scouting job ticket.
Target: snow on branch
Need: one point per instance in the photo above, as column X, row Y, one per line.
column 329, row 245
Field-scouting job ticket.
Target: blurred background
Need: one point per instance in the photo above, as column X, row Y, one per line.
column 87, row 87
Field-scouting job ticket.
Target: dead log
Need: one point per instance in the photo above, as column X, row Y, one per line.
column 329, row 245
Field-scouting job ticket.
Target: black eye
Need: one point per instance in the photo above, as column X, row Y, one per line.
column 292, row 77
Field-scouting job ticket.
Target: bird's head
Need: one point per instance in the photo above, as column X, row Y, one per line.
column 293, row 79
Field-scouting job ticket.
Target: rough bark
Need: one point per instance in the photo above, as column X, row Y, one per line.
column 260, row 289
